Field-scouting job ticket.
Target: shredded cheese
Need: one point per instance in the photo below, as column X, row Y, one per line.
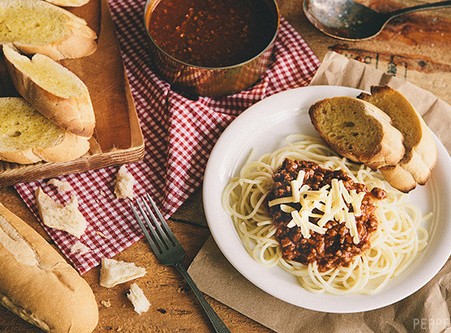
column 295, row 190
column 333, row 202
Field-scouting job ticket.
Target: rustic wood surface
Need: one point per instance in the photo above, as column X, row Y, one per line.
column 415, row 47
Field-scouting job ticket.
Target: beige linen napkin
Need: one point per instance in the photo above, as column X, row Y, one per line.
column 428, row 310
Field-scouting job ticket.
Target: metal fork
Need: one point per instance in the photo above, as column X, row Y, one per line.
column 169, row 251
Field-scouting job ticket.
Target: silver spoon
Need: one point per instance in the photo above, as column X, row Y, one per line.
column 349, row 20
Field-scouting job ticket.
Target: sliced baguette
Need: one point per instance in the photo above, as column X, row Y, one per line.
column 40, row 27
column 68, row 3
column 53, row 90
column 420, row 150
column 27, row 137
column 358, row 131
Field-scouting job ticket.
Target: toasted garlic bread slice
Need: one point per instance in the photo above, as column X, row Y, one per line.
column 358, row 131
column 28, row 137
column 40, row 27
column 53, row 90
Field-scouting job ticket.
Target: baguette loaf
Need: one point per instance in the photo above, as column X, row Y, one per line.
column 40, row 27
column 420, row 150
column 68, row 3
column 53, row 90
column 358, row 131
column 38, row 285
column 27, row 137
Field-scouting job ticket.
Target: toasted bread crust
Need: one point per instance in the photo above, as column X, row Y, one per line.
column 68, row 3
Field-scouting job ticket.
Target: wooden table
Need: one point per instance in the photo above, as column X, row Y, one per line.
column 415, row 47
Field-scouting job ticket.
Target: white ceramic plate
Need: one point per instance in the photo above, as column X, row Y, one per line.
column 262, row 127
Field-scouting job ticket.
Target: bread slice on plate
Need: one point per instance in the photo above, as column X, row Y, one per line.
column 53, row 90
column 40, row 27
column 358, row 131
column 28, row 137
column 420, row 150
column 68, row 3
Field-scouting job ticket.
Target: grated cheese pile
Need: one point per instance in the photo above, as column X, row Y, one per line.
column 331, row 201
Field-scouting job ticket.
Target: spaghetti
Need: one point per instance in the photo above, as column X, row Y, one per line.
column 398, row 238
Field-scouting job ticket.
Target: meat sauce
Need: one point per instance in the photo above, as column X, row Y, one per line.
column 335, row 247
column 212, row 33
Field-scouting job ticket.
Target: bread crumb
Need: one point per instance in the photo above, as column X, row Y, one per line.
column 100, row 194
column 79, row 248
column 62, row 186
column 114, row 272
column 140, row 302
column 101, row 234
column 124, row 184
column 67, row 218
column 106, row 304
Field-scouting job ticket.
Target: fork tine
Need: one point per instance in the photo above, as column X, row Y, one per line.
column 156, row 224
column 144, row 229
column 163, row 221
column 156, row 237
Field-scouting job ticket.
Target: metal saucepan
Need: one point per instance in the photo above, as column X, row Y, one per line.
column 210, row 81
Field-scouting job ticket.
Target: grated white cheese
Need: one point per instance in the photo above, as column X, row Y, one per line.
column 352, row 226
column 300, row 176
column 295, row 193
column 357, row 202
column 332, row 201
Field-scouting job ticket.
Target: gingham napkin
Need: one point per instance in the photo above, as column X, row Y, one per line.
column 178, row 141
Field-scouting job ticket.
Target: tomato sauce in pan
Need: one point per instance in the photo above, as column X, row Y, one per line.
column 212, row 33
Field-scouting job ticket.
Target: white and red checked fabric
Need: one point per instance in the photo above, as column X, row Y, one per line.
column 178, row 139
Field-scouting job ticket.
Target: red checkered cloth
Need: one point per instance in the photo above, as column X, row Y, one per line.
column 178, row 141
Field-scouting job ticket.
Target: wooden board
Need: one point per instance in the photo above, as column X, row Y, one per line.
column 118, row 138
